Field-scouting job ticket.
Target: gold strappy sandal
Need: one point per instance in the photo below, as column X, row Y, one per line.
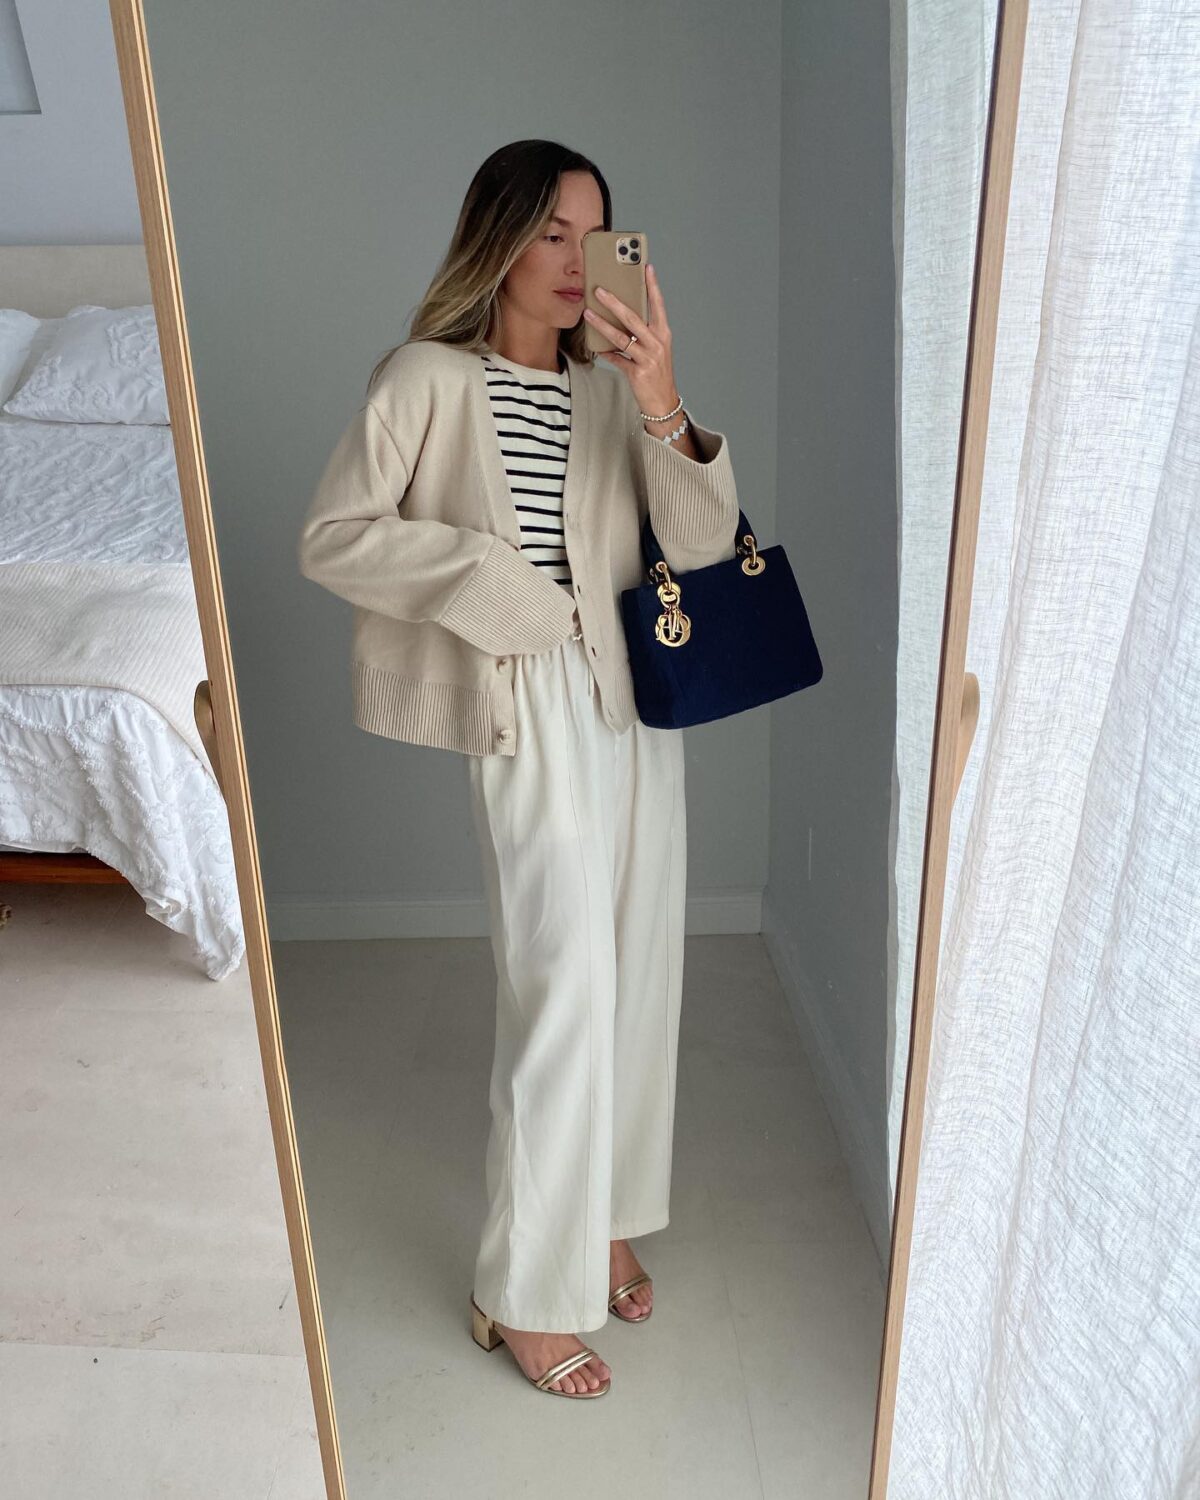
column 487, row 1336
column 623, row 1290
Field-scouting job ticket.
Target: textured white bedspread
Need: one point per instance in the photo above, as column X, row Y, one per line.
column 100, row 770
column 100, row 654
column 88, row 492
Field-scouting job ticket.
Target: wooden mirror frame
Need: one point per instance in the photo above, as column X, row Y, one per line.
column 957, row 691
column 957, row 698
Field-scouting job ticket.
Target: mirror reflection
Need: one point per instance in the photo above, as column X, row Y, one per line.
column 588, row 1023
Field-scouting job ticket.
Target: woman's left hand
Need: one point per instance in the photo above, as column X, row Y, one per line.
column 648, row 364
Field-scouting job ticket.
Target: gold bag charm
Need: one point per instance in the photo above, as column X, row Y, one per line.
column 672, row 628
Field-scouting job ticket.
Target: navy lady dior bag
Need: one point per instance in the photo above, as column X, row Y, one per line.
column 718, row 640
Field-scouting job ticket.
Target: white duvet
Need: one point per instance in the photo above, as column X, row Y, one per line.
column 93, row 767
column 88, row 492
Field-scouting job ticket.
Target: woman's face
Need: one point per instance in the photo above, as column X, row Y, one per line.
column 554, row 262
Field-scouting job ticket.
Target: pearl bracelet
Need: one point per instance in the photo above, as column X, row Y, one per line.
column 666, row 417
column 671, row 437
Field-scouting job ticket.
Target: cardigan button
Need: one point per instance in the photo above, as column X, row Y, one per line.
column 505, row 735
column 501, row 663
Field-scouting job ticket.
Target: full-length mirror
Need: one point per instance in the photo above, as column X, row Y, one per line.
column 591, row 1025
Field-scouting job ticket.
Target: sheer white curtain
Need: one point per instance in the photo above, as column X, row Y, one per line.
column 1051, row 1340
column 941, row 70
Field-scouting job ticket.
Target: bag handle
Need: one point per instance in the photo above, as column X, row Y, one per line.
column 652, row 552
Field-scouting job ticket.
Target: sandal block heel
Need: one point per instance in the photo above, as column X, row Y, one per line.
column 483, row 1330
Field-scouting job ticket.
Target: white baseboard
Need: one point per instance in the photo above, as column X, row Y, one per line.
column 291, row 920
column 847, row 1109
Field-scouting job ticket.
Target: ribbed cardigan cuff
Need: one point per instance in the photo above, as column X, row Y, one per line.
column 508, row 606
column 693, row 505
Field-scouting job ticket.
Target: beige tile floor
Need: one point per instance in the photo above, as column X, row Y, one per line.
column 149, row 1340
column 149, row 1344
column 756, row 1375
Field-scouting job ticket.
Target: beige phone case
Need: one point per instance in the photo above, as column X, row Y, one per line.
column 605, row 265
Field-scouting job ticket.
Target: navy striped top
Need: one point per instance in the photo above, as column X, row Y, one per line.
column 532, row 412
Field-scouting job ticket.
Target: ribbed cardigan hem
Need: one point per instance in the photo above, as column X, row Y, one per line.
column 442, row 715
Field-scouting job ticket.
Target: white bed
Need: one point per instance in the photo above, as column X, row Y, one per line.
column 88, row 765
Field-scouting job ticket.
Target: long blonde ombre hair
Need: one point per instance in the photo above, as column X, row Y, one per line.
column 507, row 206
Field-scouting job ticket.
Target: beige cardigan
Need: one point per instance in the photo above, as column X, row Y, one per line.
column 414, row 523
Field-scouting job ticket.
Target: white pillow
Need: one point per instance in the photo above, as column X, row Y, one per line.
column 16, row 336
column 102, row 365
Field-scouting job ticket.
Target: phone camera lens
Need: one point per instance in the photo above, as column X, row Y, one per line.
column 635, row 257
column 621, row 250
column 634, row 243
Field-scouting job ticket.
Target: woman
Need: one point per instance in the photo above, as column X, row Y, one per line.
column 483, row 512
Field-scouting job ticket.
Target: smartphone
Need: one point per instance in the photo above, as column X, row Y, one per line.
column 617, row 261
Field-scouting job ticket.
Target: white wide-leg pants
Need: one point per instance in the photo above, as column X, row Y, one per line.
column 583, row 840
